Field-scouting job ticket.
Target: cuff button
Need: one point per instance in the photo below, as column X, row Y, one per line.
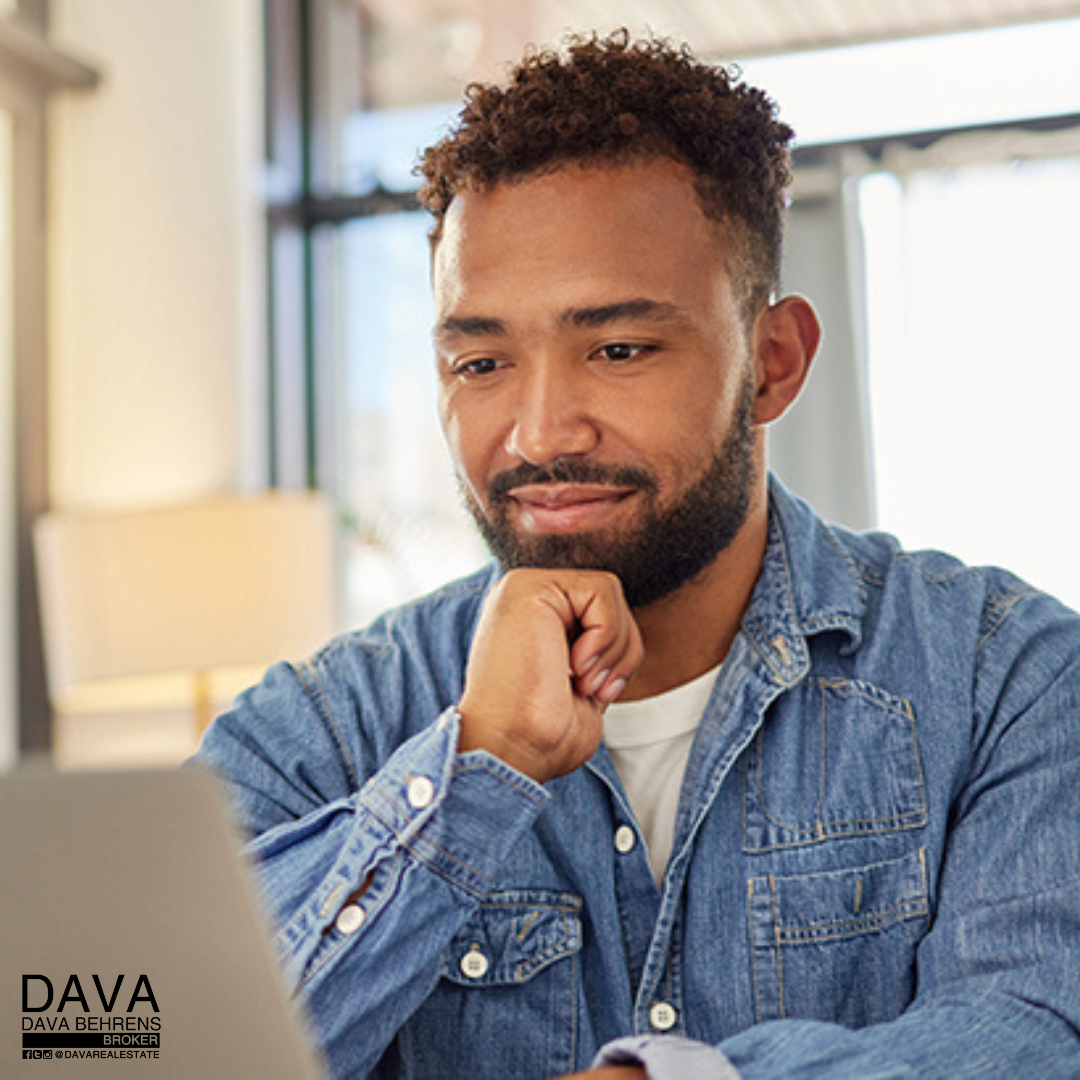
column 420, row 792
column 350, row 919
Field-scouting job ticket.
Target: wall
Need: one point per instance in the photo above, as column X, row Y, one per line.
column 156, row 290
column 8, row 559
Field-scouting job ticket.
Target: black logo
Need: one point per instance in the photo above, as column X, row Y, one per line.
column 62, row 1019
column 73, row 992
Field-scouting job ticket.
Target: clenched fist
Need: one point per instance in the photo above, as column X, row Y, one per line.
column 552, row 650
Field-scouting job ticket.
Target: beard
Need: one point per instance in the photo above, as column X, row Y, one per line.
column 668, row 547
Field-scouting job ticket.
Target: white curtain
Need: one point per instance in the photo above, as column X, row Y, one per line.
column 942, row 405
column 974, row 365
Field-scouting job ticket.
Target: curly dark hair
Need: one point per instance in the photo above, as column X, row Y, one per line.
column 614, row 99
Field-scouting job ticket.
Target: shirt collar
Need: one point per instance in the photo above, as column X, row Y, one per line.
column 809, row 584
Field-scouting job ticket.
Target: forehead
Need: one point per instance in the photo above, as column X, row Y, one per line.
column 636, row 228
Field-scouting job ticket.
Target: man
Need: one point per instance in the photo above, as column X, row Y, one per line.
column 690, row 779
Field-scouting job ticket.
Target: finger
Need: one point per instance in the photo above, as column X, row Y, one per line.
column 611, row 690
column 605, row 624
column 597, row 649
column 608, row 683
column 609, row 670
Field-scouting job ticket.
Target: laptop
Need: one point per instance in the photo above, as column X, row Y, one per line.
column 131, row 938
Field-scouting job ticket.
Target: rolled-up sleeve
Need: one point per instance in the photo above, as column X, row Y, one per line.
column 366, row 889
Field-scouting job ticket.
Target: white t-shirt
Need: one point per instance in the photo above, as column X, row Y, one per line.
column 649, row 743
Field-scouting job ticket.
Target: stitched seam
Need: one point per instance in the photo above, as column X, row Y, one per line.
column 822, row 829
column 866, row 691
column 1001, row 613
column 426, row 860
column 433, row 867
column 567, row 908
column 891, row 825
column 318, row 697
column 778, row 942
column 819, row 825
column 859, row 570
column 923, row 800
column 753, row 950
column 332, row 943
column 575, row 959
column 913, row 559
column 506, row 778
column 810, row 935
column 525, row 968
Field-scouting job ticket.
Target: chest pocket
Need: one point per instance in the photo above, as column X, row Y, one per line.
column 834, row 759
column 505, row 1003
column 838, row 946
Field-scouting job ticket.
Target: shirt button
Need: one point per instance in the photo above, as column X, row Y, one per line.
column 421, row 792
column 662, row 1016
column 624, row 839
column 350, row 919
column 474, row 964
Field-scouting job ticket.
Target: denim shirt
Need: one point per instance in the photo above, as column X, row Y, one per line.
column 876, row 867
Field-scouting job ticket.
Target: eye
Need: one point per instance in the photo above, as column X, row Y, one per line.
column 475, row 369
column 621, row 352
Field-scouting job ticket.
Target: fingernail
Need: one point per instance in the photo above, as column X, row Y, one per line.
column 612, row 693
column 589, row 664
column 593, row 684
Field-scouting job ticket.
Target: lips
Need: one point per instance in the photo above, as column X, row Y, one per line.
column 565, row 507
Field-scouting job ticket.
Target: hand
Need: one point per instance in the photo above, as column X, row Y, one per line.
column 553, row 649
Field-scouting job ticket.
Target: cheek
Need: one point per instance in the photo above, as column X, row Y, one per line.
column 469, row 443
column 683, row 444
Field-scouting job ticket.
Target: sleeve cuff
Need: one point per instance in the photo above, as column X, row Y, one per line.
column 459, row 814
column 668, row 1057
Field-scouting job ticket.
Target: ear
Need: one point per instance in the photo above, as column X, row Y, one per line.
column 786, row 338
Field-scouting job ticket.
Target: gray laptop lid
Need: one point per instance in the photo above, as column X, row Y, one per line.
column 134, row 878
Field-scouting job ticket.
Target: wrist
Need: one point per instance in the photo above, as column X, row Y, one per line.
column 477, row 732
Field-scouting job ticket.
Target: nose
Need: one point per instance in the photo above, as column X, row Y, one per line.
column 552, row 415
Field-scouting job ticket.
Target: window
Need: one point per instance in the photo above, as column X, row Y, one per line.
column 405, row 530
column 974, row 368
column 352, row 295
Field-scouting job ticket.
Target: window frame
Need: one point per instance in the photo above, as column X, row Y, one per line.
column 305, row 208
column 31, row 71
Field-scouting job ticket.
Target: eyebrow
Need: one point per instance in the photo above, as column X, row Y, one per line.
column 642, row 308
column 588, row 318
column 469, row 326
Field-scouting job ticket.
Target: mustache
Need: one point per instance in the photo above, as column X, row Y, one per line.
column 569, row 471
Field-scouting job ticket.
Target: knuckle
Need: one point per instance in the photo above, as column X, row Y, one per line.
column 514, row 584
column 609, row 579
column 513, row 579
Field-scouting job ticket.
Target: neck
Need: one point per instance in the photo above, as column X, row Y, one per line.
column 690, row 631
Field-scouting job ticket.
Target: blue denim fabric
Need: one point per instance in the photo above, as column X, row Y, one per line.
column 876, row 869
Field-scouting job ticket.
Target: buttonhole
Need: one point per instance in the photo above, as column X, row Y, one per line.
column 331, row 902
column 353, row 899
column 781, row 646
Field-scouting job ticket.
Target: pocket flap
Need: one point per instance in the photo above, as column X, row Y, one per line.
column 809, row 909
column 512, row 936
